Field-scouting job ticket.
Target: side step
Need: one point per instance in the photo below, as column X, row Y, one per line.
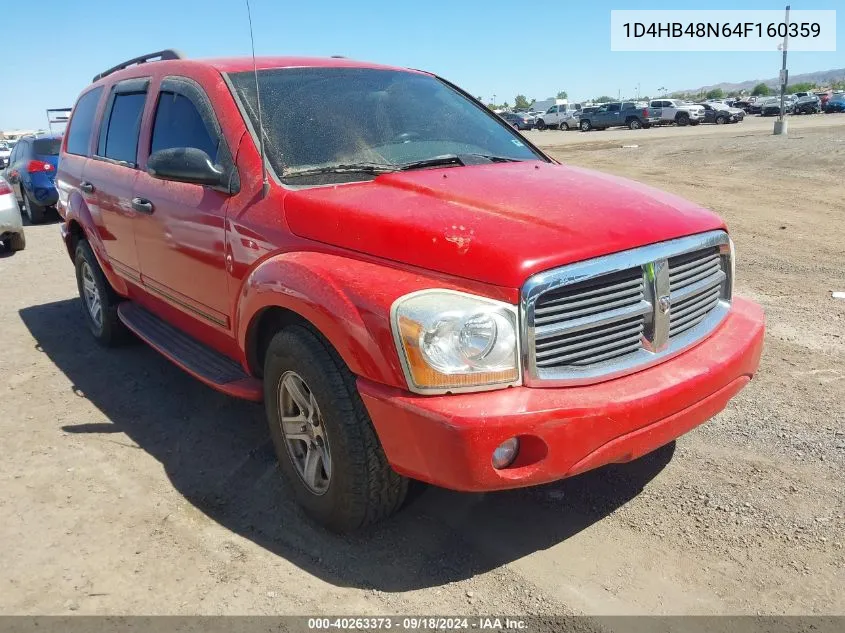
column 203, row 363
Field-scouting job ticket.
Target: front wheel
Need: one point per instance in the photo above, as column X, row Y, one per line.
column 682, row 119
column 325, row 442
column 585, row 125
column 541, row 125
column 721, row 120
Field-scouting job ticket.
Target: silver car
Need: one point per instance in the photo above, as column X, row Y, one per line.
column 11, row 226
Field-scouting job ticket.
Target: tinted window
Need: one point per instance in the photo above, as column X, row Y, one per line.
column 613, row 107
column 179, row 124
column 47, row 146
column 121, row 138
column 79, row 134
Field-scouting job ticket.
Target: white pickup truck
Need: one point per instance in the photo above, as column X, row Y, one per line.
column 677, row 111
column 562, row 116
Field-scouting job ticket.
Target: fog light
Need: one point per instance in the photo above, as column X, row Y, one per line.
column 506, row 452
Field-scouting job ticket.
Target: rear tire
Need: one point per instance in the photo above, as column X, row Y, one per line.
column 35, row 212
column 358, row 487
column 99, row 300
column 564, row 127
column 634, row 124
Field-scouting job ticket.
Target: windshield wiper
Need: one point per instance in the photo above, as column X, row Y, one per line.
column 385, row 168
column 352, row 168
column 457, row 159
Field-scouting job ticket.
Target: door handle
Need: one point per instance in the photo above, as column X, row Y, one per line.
column 142, row 205
column 86, row 186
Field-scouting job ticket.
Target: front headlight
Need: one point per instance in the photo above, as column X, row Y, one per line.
column 452, row 341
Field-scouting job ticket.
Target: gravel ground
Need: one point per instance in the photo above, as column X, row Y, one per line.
column 129, row 488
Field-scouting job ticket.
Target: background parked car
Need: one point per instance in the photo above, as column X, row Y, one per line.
column 32, row 173
column 677, row 111
column 771, row 107
column 562, row 116
column 720, row 113
column 518, row 120
column 836, row 103
column 631, row 114
column 810, row 104
column 5, row 152
column 11, row 227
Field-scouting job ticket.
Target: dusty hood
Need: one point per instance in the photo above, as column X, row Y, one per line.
column 497, row 223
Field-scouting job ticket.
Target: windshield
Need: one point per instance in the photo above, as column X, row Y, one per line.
column 324, row 117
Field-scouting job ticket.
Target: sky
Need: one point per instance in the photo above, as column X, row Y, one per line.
column 494, row 47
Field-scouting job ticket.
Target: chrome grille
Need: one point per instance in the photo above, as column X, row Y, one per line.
column 608, row 316
column 695, row 285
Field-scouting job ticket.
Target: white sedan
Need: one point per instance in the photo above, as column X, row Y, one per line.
column 11, row 226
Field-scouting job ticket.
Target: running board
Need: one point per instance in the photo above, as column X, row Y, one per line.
column 203, row 363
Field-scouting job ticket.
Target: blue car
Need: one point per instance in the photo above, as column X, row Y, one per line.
column 836, row 103
column 32, row 173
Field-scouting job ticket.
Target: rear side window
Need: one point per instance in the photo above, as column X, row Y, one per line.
column 178, row 124
column 79, row 134
column 120, row 141
column 47, row 146
column 614, row 107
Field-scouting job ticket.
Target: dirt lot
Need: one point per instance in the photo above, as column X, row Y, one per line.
column 127, row 487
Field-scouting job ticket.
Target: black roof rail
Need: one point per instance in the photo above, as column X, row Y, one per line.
column 168, row 53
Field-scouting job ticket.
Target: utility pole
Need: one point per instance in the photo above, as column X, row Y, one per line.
column 780, row 124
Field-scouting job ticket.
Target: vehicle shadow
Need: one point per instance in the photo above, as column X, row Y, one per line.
column 217, row 453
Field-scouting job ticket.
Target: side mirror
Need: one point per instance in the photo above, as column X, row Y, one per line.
column 184, row 164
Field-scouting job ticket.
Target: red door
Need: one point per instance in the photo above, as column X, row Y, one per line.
column 181, row 240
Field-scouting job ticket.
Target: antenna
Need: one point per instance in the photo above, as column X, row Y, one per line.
column 266, row 183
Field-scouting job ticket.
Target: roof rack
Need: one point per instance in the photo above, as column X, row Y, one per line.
column 168, row 53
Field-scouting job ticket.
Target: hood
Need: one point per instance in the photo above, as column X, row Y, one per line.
column 496, row 223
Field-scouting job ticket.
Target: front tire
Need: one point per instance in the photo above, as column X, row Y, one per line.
column 541, row 125
column 99, row 300
column 682, row 119
column 324, row 440
column 585, row 125
column 721, row 120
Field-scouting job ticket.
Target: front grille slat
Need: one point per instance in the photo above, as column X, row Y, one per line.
column 634, row 292
column 566, row 315
column 590, row 323
column 591, row 346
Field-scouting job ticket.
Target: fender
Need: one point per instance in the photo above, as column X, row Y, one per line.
column 347, row 300
column 77, row 211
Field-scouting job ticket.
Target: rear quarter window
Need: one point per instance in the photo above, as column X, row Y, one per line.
column 82, row 122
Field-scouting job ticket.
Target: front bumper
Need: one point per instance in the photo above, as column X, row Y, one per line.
column 449, row 440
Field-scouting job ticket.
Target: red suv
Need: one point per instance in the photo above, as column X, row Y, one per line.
column 411, row 287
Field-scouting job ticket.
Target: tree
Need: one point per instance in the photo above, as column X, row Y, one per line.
column 520, row 102
column 562, row 95
column 760, row 90
column 603, row 99
column 804, row 86
column 716, row 93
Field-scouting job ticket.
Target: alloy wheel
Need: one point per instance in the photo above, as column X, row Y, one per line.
column 305, row 433
column 91, row 295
